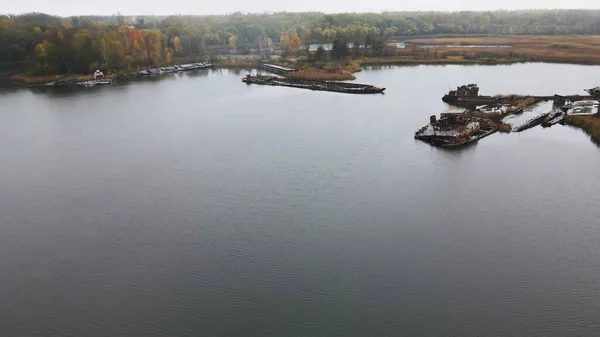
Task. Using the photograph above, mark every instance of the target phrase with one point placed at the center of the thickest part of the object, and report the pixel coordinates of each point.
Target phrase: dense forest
(51, 44)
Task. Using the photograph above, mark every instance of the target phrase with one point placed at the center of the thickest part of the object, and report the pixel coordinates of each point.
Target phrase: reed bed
(590, 124)
(557, 49)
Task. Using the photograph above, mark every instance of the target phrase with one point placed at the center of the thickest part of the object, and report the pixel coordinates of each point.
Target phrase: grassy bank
(590, 124)
(33, 79)
(410, 60)
(29, 79)
(324, 71)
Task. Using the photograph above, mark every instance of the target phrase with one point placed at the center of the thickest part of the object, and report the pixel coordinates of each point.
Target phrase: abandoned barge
(174, 69)
(453, 129)
(342, 87)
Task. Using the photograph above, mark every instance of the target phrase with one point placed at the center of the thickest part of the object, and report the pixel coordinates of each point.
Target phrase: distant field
(582, 49)
(516, 41)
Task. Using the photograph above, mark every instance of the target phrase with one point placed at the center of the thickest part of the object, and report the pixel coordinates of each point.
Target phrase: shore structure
(341, 87)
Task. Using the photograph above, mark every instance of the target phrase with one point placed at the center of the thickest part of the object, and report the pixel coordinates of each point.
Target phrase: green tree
(339, 49)
(320, 54)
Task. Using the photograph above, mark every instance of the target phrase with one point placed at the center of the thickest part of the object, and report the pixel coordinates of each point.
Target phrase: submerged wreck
(343, 87)
(454, 128)
(555, 117)
(533, 115)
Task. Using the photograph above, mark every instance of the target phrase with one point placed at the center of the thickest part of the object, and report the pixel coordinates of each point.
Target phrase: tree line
(51, 44)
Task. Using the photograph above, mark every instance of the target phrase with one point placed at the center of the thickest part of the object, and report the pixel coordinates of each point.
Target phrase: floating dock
(277, 69)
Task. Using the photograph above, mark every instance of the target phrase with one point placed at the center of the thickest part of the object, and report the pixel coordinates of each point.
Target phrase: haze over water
(198, 205)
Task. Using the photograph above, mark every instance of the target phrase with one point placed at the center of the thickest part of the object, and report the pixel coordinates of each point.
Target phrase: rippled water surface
(196, 205)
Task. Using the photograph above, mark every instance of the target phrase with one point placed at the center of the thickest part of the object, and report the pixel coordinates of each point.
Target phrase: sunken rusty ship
(454, 128)
(595, 92)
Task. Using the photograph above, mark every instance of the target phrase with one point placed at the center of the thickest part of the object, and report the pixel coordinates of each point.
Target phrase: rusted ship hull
(341, 87)
(476, 100)
(483, 132)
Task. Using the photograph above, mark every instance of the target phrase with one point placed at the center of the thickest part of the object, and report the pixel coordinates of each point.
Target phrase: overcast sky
(165, 7)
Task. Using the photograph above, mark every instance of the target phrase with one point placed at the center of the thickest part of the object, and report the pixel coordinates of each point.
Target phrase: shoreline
(37, 80)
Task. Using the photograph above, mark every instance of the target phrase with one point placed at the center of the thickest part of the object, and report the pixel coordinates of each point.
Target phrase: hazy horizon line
(300, 12)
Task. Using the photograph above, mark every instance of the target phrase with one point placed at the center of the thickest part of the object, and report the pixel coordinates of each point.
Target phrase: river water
(196, 205)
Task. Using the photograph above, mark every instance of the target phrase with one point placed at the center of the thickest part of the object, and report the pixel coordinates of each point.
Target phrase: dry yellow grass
(237, 64)
(567, 49)
(525, 102)
(587, 40)
(407, 60)
(32, 79)
(506, 128)
(591, 124)
(318, 75)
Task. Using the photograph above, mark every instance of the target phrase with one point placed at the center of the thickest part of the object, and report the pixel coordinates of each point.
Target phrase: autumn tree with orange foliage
(177, 43)
(290, 42)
